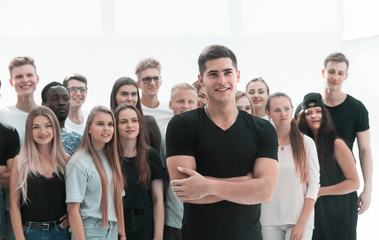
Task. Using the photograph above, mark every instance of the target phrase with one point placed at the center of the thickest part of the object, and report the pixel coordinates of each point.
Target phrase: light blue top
(71, 140)
(83, 185)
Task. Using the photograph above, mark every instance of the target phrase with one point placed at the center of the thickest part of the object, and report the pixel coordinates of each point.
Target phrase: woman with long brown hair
(338, 174)
(142, 170)
(94, 183)
(289, 214)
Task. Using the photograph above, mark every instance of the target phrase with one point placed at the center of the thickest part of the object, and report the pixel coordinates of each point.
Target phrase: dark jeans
(171, 233)
(52, 233)
(139, 224)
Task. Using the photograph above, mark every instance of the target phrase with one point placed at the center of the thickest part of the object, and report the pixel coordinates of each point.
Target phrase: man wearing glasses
(148, 72)
(77, 86)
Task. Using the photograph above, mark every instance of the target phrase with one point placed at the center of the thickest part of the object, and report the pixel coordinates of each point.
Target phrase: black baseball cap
(312, 100)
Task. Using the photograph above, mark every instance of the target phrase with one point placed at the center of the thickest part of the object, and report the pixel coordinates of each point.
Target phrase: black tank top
(46, 198)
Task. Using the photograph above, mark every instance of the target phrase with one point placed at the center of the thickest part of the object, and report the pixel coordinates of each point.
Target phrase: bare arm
(5, 175)
(15, 204)
(253, 191)
(345, 160)
(76, 221)
(158, 208)
(365, 158)
(298, 230)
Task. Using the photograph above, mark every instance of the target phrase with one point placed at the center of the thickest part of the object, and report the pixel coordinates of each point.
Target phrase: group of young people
(215, 163)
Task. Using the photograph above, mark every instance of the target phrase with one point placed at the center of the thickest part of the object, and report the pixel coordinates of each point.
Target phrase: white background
(285, 42)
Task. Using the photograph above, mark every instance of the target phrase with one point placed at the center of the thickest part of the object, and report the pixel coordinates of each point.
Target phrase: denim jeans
(93, 229)
(53, 233)
(139, 224)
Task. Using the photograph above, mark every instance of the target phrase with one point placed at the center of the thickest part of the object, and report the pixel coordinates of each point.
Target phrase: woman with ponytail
(290, 215)
(142, 170)
(94, 183)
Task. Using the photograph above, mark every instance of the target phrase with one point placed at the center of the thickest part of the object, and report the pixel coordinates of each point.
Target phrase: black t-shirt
(9, 143)
(46, 198)
(138, 197)
(350, 117)
(221, 154)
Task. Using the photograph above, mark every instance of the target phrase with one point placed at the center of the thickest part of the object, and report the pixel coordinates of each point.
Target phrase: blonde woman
(258, 91)
(290, 215)
(244, 103)
(37, 183)
(94, 182)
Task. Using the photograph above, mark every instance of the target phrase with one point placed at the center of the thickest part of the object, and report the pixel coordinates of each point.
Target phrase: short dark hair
(47, 87)
(215, 52)
(336, 57)
(74, 76)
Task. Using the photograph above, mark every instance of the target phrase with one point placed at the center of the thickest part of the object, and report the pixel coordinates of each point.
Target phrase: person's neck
(61, 123)
(76, 115)
(259, 112)
(283, 134)
(150, 101)
(129, 147)
(315, 135)
(223, 115)
(26, 103)
(333, 97)
(44, 151)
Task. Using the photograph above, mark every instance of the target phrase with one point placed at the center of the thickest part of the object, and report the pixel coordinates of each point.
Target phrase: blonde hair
(29, 158)
(112, 157)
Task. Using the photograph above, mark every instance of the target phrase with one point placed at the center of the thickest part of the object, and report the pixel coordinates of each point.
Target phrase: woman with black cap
(338, 174)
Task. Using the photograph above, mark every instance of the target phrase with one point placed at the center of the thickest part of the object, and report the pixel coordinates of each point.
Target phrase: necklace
(206, 112)
(286, 142)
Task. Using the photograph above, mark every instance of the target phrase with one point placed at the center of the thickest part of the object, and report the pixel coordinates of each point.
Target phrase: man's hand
(192, 188)
(364, 201)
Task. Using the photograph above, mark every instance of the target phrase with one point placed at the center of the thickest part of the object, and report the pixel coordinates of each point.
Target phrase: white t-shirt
(16, 118)
(77, 127)
(287, 202)
(162, 115)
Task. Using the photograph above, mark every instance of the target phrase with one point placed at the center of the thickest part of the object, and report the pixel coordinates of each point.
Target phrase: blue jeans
(53, 233)
(93, 229)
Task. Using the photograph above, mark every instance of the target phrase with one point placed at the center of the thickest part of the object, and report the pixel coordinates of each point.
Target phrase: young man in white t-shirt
(24, 79)
(148, 72)
(77, 86)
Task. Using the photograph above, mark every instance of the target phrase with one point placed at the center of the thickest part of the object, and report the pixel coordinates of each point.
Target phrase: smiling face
(280, 111)
(101, 130)
(42, 130)
(127, 94)
(149, 89)
(243, 103)
(58, 100)
(335, 73)
(183, 100)
(220, 80)
(128, 124)
(77, 97)
(24, 79)
(257, 91)
(313, 118)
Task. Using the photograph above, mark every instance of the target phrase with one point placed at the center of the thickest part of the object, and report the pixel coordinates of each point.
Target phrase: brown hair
(336, 57)
(297, 142)
(142, 148)
(111, 154)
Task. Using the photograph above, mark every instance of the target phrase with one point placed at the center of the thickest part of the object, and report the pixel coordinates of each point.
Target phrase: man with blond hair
(148, 72)
(24, 79)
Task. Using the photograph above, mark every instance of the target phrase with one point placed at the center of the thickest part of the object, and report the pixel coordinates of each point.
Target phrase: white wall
(285, 42)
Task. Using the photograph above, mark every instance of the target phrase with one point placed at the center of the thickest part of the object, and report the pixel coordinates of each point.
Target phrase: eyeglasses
(147, 80)
(81, 89)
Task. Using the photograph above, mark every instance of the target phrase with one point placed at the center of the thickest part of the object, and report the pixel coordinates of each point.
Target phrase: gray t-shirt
(83, 185)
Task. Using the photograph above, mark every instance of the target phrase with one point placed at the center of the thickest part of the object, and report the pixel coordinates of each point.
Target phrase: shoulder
(258, 124)
(353, 102)
(187, 118)
(72, 133)
(7, 129)
(80, 158)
